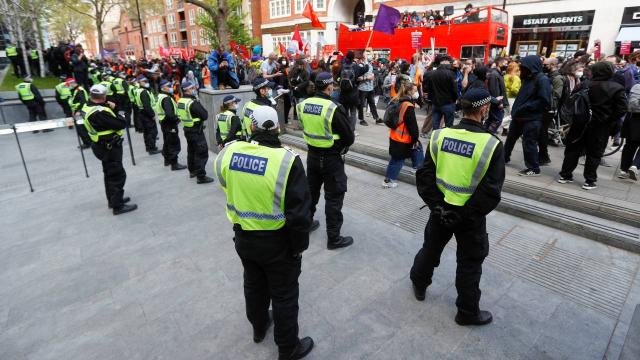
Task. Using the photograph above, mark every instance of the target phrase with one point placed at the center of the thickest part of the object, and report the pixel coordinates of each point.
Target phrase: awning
(629, 34)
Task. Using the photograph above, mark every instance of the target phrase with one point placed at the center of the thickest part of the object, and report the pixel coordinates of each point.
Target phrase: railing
(183, 25)
(171, 26)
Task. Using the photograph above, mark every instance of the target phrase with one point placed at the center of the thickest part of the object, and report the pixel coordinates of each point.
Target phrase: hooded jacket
(608, 98)
(534, 98)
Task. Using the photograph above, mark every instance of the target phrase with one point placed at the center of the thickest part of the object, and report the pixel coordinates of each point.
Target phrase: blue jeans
(395, 165)
(446, 111)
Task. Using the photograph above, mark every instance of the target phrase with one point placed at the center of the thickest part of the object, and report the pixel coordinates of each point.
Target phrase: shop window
(566, 48)
(525, 48)
(473, 51)
(381, 54)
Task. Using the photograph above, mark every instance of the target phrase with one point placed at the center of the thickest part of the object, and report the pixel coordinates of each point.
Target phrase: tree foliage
(223, 21)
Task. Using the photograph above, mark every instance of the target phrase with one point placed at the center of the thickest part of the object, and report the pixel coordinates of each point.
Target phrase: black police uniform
(236, 126)
(35, 105)
(271, 269)
(326, 166)
(109, 150)
(197, 148)
(146, 116)
(122, 100)
(470, 232)
(169, 127)
(80, 97)
(64, 104)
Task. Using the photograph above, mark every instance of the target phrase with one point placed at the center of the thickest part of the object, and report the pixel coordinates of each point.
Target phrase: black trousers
(473, 248)
(137, 122)
(367, 97)
(17, 69)
(543, 138)
(114, 174)
(171, 142)
(150, 130)
(592, 144)
(530, 131)
(82, 133)
(628, 154)
(65, 108)
(271, 276)
(328, 170)
(197, 151)
(36, 111)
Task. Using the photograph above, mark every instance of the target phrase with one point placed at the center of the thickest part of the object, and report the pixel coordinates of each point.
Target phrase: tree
(219, 15)
(96, 10)
(67, 28)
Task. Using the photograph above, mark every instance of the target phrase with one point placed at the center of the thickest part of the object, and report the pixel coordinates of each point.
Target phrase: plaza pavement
(164, 282)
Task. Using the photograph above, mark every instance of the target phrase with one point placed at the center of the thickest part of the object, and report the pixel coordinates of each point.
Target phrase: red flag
(296, 37)
(307, 50)
(239, 49)
(282, 49)
(311, 15)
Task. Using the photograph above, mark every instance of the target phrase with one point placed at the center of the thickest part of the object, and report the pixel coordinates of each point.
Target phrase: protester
(631, 134)
(221, 67)
(442, 90)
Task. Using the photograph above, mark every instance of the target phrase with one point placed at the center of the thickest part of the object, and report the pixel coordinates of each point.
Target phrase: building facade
(535, 26)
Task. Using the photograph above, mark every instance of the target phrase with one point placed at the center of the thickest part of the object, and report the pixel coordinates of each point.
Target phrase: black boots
(340, 242)
(125, 200)
(482, 318)
(154, 151)
(419, 291)
(124, 209)
(301, 350)
(204, 179)
(177, 166)
(258, 335)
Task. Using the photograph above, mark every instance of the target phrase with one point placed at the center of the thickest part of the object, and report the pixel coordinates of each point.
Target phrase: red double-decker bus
(481, 34)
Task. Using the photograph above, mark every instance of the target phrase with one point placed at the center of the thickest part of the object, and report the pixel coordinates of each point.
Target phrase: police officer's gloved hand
(450, 219)
(437, 212)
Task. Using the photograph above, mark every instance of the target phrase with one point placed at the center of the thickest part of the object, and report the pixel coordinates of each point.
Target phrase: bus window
(499, 16)
(472, 51)
(382, 54)
(495, 52)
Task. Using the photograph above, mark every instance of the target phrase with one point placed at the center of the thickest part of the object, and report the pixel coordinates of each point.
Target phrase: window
(319, 5)
(566, 48)
(284, 39)
(192, 17)
(174, 39)
(300, 6)
(169, 4)
(203, 40)
(194, 39)
(279, 8)
(467, 52)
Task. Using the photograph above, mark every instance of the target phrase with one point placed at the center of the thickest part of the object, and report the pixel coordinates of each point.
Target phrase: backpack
(576, 110)
(347, 78)
(392, 114)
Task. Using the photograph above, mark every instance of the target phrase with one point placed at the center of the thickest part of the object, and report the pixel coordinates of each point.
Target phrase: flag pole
(369, 41)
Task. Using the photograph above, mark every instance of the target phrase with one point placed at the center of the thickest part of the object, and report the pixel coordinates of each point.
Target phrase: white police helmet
(265, 118)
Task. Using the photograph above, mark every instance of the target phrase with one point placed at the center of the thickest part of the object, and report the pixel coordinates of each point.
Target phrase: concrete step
(631, 347)
(607, 231)
(612, 209)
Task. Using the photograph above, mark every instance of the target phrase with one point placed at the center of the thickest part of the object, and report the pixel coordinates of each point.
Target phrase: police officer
(12, 54)
(166, 111)
(193, 115)
(107, 82)
(133, 109)
(34, 61)
(262, 87)
(461, 182)
(120, 92)
(31, 98)
(94, 74)
(269, 205)
(145, 102)
(63, 93)
(229, 125)
(105, 130)
(79, 97)
(328, 136)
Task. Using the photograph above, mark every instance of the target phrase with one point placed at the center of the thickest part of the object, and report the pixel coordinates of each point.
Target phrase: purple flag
(387, 20)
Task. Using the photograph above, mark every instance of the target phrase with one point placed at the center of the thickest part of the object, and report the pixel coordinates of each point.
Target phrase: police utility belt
(111, 140)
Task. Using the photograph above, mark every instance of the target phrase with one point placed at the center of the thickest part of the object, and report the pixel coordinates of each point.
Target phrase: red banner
(625, 48)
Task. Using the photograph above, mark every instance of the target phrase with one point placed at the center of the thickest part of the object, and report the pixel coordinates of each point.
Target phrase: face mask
(546, 70)
(145, 85)
(170, 91)
(579, 74)
(284, 63)
(415, 95)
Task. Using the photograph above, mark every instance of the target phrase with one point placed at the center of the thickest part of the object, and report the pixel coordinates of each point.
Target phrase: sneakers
(389, 184)
(589, 185)
(364, 123)
(379, 122)
(529, 173)
(564, 180)
(355, 133)
(623, 175)
(633, 173)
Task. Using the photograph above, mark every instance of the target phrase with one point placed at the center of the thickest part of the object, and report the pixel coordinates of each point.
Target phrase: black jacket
(297, 209)
(487, 194)
(534, 97)
(79, 97)
(351, 98)
(236, 126)
(340, 126)
(608, 98)
(147, 109)
(400, 150)
(441, 86)
(37, 97)
(170, 116)
(197, 111)
(495, 85)
(102, 120)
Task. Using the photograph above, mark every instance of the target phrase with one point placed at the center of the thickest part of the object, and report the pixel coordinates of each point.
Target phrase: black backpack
(347, 78)
(392, 114)
(576, 111)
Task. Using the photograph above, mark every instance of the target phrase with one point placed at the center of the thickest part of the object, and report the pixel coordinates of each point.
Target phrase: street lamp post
(144, 51)
(504, 4)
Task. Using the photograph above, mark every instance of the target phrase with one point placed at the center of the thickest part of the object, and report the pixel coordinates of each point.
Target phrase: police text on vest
(248, 163)
(458, 147)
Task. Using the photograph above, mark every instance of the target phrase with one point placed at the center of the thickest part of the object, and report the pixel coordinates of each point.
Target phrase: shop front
(542, 34)
(628, 39)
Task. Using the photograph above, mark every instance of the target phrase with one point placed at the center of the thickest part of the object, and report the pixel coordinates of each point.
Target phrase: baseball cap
(229, 99)
(475, 98)
(98, 90)
(164, 83)
(265, 118)
(68, 81)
